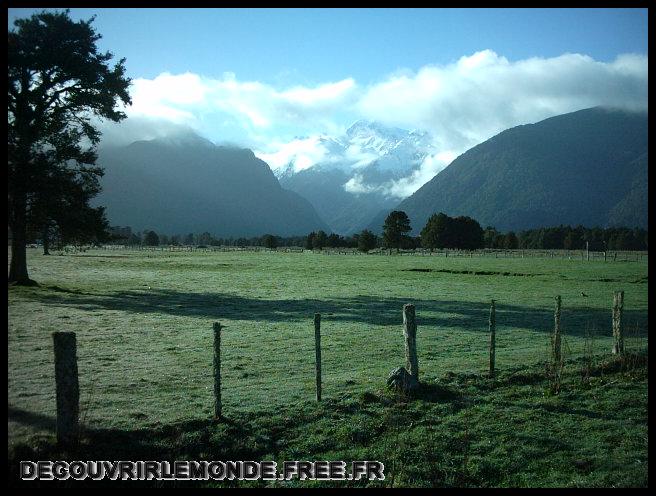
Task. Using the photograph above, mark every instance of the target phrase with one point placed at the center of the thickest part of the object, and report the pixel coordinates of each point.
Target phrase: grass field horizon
(143, 322)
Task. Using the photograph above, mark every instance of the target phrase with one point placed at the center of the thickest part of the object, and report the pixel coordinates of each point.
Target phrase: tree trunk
(18, 264)
(46, 240)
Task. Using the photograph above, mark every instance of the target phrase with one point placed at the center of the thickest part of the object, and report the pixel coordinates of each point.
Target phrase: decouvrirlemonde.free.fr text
(202, 470)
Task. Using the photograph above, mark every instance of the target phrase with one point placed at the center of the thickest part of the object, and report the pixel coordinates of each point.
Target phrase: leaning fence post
(556, 337)
(493, 329)
(317, 352)
(410, 335)
(217, 369)
(618, 329)
(67, 387)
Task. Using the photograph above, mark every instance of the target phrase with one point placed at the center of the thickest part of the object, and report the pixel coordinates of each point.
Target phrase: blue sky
(276, 80)
(308, 46)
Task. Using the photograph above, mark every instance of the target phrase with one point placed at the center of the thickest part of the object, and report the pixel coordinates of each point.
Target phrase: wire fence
(605, 256)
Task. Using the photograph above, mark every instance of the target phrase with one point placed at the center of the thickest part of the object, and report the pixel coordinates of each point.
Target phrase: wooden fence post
(217, 370)
(67, 387)
(557, 356)
(493, 329)
(618, 328)
(317, 353)
(410, 335)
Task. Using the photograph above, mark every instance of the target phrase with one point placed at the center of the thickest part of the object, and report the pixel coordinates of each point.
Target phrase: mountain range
(189, 185)
(587, 167)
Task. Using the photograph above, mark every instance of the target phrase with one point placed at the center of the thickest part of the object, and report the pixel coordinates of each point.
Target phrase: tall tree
(397, 224)
(151, 239)
(269, 241)
(442, 231)
(467, 233)
(309, 240)
(320, 240)
(61, 209)
(435, 232)
(334, 240)
(58, 82)
(366, 241)
(510, 241)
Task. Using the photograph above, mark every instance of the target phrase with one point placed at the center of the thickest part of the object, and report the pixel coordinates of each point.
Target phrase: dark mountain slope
(587, 167)
(191, 185)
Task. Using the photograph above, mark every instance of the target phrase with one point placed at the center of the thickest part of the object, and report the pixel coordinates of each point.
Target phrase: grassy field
(144, 329)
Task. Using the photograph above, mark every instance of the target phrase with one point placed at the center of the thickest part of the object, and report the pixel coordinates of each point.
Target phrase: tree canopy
(366, 241)
(442, 231)
(269, 241)
(433, 235)
(58, 83)
(397, 224)
(320, 240)
(151, 238)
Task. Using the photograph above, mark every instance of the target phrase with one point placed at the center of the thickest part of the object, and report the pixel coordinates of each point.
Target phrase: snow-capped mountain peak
(365, 145)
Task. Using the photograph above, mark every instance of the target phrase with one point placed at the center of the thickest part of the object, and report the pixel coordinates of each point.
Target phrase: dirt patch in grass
(473, 272)
(100, 256)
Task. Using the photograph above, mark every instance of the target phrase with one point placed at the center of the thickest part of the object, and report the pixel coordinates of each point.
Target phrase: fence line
(606, 256)
(66, 372)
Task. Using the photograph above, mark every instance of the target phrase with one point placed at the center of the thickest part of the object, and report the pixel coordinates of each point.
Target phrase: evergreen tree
(397, 224)
(334, 240)
(510, 241)
(366, 241)
(57, 82)
(319, 240)
(309, 241)
(269, 241)
(151, 239)
(434, 234)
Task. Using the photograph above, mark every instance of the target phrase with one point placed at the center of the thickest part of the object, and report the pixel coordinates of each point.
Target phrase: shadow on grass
(364, 309)
(226, 439)
(369, 421)
(30, 418)
(433, 392)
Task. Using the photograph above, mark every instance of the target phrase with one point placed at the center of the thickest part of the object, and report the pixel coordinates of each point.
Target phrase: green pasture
(144, 330)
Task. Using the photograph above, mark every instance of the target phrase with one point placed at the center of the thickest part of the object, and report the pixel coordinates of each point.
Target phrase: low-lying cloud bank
(461, 104)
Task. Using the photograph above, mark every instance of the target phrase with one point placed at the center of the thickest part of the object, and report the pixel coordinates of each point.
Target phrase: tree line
(440, 232)
(570, 238)
(315, 240)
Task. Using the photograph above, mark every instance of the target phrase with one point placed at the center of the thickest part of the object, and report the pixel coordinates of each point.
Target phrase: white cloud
(431, 165)
(358, 157)
(168, 97)
(184, 97)
(467, 102)
(356, 185)
(461, 104)
(404, 187)
(138, 128)
(303, 153)
(480, 95)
